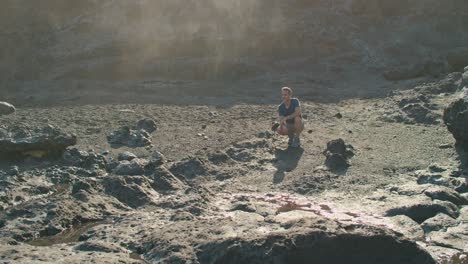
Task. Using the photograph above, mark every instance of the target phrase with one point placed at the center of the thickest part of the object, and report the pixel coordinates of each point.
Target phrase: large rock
(456, 118)
(6, 108)
(337, 154)
(35, 142)
(129, 137)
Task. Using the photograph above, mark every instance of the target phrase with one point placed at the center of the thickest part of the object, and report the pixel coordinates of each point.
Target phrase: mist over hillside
(328, 49)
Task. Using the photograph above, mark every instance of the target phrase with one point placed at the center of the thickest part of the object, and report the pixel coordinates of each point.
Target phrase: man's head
(286, 93)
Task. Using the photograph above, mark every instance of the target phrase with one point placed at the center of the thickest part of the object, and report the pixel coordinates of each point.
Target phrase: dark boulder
(456, 119)
(337, 154)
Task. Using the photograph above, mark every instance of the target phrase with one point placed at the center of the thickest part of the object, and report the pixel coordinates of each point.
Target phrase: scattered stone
(438, 222)
(182, 216)
(243, 206)
(456, 118)
(36, 142)
(81, 185)
(133, 167)
(147, 124)
(157, 158)
(445, 146)
(129, 137)
(6, 108)
(79, 158)
(126, 156)
(51, 230)
(337, 154)
(338, 115)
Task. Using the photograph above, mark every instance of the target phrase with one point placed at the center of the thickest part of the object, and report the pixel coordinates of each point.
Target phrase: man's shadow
(286, 161)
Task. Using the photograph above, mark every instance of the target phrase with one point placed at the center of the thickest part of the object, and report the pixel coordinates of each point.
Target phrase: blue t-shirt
(283, 111)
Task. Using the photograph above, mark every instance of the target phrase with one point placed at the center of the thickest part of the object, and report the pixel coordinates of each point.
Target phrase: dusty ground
(240, 188)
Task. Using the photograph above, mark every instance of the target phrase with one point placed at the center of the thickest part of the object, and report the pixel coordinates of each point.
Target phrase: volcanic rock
(456, 118)
(190, 168)
(132, 167)
(126, 156)
(129, 137)
(20, 141)
(337, 154)
(6, 108)
(446, 194)
(464, 82)
(147, 124)
(449, 84)
(84, 159)
(165, 181)
(438, 222)
(134, 191)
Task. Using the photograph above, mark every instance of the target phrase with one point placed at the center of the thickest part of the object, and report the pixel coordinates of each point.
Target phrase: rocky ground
(146, 183)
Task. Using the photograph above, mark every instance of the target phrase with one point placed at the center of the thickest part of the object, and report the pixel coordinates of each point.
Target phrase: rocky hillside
(328, 49)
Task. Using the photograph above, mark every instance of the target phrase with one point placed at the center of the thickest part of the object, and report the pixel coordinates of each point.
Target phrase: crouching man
(290, 117)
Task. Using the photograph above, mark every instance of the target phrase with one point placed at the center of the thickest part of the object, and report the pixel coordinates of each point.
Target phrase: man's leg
(298, 127)
(287, 129)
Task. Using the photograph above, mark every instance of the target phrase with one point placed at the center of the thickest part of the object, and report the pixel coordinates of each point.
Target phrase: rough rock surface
(337, 154)
(238, 193)
(456, 118)
(21, 141)
(129, 137)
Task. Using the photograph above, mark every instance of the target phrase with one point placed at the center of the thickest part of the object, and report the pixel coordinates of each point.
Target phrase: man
(290, 117)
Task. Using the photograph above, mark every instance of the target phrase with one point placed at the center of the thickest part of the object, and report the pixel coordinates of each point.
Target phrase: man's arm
(297, 112)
